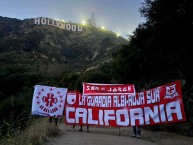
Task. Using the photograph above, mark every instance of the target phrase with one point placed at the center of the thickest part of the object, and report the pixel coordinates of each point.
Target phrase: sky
(119, 16)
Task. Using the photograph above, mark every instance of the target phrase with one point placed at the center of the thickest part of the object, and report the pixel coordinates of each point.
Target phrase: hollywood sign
(59, 24)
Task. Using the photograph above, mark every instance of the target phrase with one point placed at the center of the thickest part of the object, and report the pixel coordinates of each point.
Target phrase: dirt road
(110, 136)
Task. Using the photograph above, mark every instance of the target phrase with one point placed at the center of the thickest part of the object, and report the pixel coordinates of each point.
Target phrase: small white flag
(48, 101)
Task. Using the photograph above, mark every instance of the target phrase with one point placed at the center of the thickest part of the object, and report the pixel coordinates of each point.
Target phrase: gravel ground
(114, 136)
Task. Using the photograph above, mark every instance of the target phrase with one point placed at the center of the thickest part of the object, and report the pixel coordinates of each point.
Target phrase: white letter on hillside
(68, 26)
(43, 21)
(37, 21)
(73, 28)
(79, 28)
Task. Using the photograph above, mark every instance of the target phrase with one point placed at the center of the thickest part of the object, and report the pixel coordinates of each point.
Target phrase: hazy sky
(120, 16)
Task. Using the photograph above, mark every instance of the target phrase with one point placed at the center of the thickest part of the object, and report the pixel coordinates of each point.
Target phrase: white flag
(48, 101)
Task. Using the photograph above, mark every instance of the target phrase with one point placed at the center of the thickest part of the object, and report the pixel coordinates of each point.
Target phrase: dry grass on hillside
(36, 134)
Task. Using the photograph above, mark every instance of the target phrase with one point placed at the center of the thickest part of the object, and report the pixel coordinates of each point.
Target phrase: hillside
(38, 53)
(50, 50)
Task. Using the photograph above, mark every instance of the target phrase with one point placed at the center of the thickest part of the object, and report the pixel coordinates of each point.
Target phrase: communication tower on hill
(93, 18)
(92, 21)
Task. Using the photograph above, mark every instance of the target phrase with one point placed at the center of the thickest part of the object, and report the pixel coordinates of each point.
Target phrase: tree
(160, 48)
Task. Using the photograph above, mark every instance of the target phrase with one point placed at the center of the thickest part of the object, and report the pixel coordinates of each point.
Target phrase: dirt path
(110, 136)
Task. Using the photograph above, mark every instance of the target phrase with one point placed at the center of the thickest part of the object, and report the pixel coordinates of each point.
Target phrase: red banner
(155, 106)
(103, 89)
